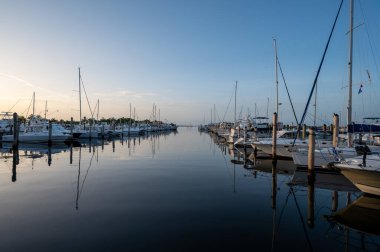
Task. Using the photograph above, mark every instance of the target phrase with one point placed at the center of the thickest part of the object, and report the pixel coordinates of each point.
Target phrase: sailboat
(325, 156)
(39, 131)
(364, 170)
(89, 132)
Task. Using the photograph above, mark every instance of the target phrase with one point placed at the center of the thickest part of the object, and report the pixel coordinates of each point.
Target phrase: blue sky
(184, 56)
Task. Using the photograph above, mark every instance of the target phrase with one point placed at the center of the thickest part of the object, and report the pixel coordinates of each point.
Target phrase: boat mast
(45, 108)
(349, 107)
(130, 116)
(80, 100)
(235, 102)
(97, 114)
(315, 105)
(276, 73)
(214, 115)
(34, 101)
(211, 115)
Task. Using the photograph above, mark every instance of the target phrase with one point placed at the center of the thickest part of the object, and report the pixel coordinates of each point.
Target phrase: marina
(180, 190)
(102, 146)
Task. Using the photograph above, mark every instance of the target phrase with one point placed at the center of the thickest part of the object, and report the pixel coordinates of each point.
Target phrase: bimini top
(263, 117)
(371, 118)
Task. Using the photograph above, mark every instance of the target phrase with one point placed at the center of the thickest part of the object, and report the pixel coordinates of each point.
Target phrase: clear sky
(184, 56)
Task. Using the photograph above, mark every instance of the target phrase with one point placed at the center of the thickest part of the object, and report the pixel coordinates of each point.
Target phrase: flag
(360, 89)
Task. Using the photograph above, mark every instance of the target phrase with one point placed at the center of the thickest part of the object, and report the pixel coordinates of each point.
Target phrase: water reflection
(15, 162)
(29, 151)
(35, 151)
(185, 192)
(306, 188)
(357, 224)
(362, 215)
(80, 184)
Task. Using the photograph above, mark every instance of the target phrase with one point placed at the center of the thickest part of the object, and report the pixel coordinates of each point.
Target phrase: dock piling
(50, 133)
(335, 130)
(311, 153)
(71, 128)
(303, 131)
(15, 131)
(274, 136)
(311, 178)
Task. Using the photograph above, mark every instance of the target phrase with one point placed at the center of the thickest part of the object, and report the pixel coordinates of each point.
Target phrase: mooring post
(274, 136)
(298, 127)
(50, 132)
(18, 132)
(335, 130)
(311, 153)
(15, 131)
(324, 128)
(303, 131)
(311, 178)
(71, 128)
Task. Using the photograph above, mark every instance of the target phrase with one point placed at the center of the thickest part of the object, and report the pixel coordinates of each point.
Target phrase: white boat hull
(366, 178)
(36, 138)
(322, 157)
(282, 150)
(366, 181)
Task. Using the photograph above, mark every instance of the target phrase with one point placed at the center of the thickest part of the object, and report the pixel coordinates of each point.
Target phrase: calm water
(180, 191)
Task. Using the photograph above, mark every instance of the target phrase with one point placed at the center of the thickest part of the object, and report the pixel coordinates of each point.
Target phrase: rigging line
(301, 217)
(14, 105)
(319, 70)
(88, 102)
(286, 86)
(30, 104)
(96, 108)
(369, 40)
(282, 211)
(228, 105)
(241, 112)
(85, 176)
(218, 116)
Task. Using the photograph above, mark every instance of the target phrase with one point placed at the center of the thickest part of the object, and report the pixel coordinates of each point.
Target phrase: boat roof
(260, 117)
